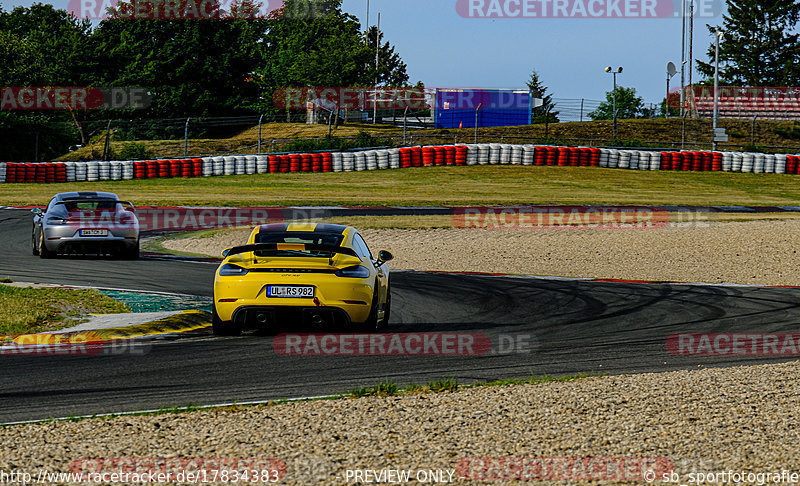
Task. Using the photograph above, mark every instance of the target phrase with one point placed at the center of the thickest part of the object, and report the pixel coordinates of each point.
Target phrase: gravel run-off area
(740, 419)
(751, 252)
(711, 420)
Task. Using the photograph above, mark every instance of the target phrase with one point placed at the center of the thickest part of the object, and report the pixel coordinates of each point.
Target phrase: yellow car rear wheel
(221, 328)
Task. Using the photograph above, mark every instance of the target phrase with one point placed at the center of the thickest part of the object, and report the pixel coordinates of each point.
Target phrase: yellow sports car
(301, 274)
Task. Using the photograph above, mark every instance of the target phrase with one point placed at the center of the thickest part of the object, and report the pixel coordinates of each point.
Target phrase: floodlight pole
(186, 137)
(718, 35)
(666, 100)
(259, 132)
(683, 52)
(405, 114)
(614, 96)
(377, 49)
(476, 121)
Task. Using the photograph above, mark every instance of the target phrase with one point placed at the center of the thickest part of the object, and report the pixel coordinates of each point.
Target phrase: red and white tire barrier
(396, 158)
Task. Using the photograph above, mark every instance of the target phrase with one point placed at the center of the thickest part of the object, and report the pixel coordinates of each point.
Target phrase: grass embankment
(243, 143)
(447, 186)
(651, 133)
(28, 310)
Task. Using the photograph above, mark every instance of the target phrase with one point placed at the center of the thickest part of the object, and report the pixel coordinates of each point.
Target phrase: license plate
(295, 291)
(94, 232)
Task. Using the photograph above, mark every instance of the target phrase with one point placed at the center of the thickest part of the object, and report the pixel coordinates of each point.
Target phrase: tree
(391, 69)
(41, 46)
(759, 47)
(327, 49)
(191, 67)
(544, 113)
(628, 105)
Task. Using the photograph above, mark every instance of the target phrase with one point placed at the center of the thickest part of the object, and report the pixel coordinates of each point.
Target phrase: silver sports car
(86, 223)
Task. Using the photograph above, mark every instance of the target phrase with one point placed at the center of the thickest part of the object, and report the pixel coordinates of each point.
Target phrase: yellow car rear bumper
(352, 295)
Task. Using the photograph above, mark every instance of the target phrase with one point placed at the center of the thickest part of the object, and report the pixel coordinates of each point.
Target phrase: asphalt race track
(563, 327)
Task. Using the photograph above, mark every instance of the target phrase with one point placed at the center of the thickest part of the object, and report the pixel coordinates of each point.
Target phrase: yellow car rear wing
(289, 247)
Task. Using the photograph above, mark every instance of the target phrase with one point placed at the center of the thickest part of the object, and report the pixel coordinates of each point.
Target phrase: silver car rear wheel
(43, 251)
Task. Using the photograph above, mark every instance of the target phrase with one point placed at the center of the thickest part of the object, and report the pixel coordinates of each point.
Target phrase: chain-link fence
(125, 139)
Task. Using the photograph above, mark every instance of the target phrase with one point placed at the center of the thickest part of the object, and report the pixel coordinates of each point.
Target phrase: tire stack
(115, 170)
(370, 160)
(460, 154)
(316, 162)
(748, 162)
(239, 165)
(69, 171)
(250, 164)
(394, 159)
(382, 158)
(495, 153)
(174, 168)
(337, 162)
(219, 166)
(449, 155)
(208, 167)
(327, 162)
(49, 173)
(516, 154)
(292, 163)
(792, 163)
(348, 161)
(416, 156)
(163, 168)
(758, 163)
(92, 171)
(80, 171)
(405, 158)
(780, 163)
(127, 170)
(769, 163)
(428, 156)
(304, 164)
(736, 162)
(11, 172)
(483, 154)
(472, 154)
(186, 168)
(359, 161)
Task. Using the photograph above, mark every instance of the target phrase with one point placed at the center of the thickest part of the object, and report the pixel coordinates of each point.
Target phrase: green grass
(27, 310)
(631, 133)
(535, 380)
(443, 385)
(448, 186)
(382, 389)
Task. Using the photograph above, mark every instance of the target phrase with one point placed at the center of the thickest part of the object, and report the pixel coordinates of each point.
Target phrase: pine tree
(758, 47)
(544, 113)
